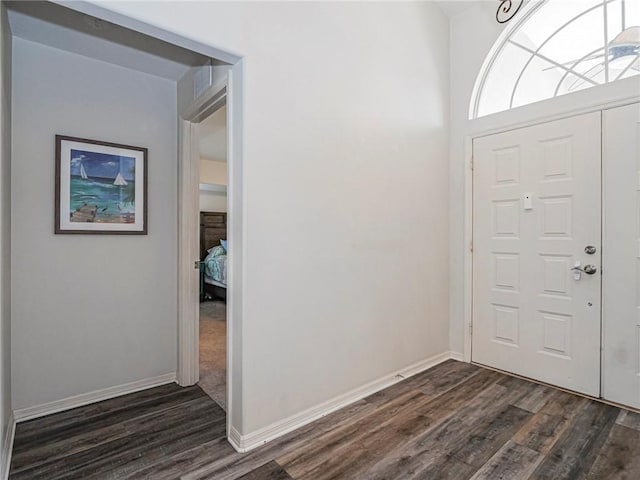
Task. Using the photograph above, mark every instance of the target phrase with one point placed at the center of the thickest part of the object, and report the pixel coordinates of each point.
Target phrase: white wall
(213, 136)
(345, 177)
(215, 172)
(213, 201)
(89, 311)
(5, 235)
(472, 34)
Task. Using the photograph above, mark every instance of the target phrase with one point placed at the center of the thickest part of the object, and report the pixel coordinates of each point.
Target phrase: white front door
(537, 207)
(621, 289)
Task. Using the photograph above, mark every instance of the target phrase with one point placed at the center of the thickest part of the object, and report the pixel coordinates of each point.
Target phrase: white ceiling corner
(454, 7)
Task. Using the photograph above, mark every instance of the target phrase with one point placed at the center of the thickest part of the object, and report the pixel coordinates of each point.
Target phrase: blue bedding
(215, 265)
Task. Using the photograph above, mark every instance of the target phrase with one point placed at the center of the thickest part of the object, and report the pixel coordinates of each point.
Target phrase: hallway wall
(89, 311)
(5, 237)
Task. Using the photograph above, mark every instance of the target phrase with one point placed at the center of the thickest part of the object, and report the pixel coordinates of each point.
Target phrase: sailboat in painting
(120, 181)
(102, 189)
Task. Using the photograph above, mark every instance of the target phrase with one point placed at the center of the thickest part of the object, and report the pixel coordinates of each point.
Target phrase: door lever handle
(588, 269)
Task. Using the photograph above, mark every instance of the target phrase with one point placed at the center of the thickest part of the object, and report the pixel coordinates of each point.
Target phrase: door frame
(225, 92)
(522, 117)
(213, 98)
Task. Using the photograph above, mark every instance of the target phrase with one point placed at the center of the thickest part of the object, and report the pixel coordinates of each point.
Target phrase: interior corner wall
(472, 34)
(5, 235)
(345, 190)
(89, 312)
(213, 201)
(213, 172)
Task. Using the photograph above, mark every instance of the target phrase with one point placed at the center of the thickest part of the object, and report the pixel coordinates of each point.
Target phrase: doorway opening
(212, 149)
(210, 124)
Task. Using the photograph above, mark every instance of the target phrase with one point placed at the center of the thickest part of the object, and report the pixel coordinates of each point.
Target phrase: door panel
(537, 205)
(621, 289)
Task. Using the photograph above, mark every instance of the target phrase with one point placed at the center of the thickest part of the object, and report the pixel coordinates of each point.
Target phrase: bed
(213, 257)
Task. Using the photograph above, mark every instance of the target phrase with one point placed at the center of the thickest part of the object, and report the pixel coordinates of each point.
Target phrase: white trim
(629, 85)
(526, 12)
(189, 187)
(235, 239)
(603, 251)
(244, 443)
(468, 249)
(213, 187)
(235, 439)
(7, 448)
(91, 7)
(210, 100)
(602, 97)
(29, 413)
(459, 356)
(188, 254)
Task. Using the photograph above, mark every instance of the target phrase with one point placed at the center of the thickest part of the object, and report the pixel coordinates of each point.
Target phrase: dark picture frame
(100, 187)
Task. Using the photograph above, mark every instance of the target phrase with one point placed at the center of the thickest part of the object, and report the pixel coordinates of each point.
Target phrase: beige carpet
(213, 350)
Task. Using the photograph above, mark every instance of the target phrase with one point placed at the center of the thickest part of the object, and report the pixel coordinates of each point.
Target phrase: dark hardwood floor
(455, 421)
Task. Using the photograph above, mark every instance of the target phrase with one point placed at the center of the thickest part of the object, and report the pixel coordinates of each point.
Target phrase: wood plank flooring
(456, 421)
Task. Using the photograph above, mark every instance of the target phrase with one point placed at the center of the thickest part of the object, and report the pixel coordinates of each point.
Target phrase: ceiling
(454, 7)
(213, 136)
(65, 29)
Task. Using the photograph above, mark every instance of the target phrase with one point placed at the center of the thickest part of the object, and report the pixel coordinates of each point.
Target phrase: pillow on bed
(216, 251)
(224, 244)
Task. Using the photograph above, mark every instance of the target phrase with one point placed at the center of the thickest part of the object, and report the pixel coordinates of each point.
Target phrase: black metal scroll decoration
(507, 10)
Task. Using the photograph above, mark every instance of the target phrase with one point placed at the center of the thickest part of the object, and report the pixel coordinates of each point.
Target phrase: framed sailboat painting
(101, 187)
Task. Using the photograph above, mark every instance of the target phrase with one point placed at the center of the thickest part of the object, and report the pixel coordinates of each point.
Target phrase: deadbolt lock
(590, 250)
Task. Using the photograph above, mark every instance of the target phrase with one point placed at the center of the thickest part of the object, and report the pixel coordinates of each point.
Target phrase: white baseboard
(7, 448)
(235, 439)
(457, 356)
(29, 413)
(244, 443)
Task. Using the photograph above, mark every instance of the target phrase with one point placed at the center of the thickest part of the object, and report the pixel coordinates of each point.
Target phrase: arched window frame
(527, 11)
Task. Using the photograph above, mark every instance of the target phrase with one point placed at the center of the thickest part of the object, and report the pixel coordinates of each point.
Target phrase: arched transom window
(558, 47)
